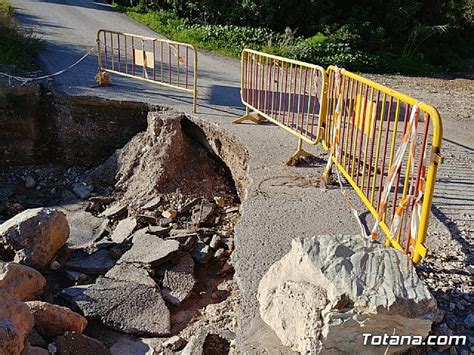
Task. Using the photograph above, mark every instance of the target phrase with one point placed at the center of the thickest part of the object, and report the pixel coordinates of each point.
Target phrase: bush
(17, 49)
(389, 36)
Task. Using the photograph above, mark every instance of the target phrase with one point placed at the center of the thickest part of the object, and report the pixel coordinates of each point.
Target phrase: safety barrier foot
(254, 117)
(299, 156)
(103, 78)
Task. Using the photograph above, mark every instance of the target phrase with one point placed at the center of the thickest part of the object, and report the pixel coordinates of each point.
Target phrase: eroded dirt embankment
(151, 226)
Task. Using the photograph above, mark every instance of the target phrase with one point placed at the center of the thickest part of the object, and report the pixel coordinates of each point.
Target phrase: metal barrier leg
(299, 155)
(254, 117)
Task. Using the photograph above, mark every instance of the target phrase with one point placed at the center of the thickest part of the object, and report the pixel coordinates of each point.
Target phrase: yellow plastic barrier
(386, 144)
(388, 149)
(167, 63)
(284, 91)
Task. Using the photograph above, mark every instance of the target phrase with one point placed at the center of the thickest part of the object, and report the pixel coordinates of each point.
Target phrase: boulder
(16, 322)
(147, 249)
(330, 290)
(35, 235)
(125, 306)
(73, 343)
(178, 280)
(20, 281)
(53, 320)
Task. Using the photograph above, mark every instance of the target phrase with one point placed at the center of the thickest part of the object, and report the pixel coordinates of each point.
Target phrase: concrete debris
(148, 249)
(158, 230)
(125, 306)
(74, 343)
(84, 229)
(203, 213)
(187, 206)
(179, 280)
(114, 211)
(123, 229)
(131, 273)
(309, 297)
(35, 235)
(152, 204)
(97, 263)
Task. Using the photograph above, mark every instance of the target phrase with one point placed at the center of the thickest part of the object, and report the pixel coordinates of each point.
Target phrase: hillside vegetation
(406, 36)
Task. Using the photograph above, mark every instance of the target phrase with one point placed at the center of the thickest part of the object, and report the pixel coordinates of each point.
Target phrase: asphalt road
(70, 27)
(269, 221)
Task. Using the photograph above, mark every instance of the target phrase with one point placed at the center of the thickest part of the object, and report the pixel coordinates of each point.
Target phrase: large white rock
(330, 290)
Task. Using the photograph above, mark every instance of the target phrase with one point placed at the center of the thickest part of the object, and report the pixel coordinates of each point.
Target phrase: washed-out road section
(281, 202)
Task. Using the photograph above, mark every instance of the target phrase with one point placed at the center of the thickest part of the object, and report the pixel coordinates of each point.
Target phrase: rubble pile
(138, 248)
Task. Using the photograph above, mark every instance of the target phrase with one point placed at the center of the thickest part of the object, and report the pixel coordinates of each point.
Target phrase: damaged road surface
(137, 248)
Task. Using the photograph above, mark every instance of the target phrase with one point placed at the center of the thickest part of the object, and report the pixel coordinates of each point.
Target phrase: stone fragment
(174, 343)
(202, 252)
(178, 280)
(158, 230)
(20, 281)
(124, 229)
(132, 273)
(55, 265)
(196, 343)
(35, 235)
(220, 201)
(73, 343)
(203, 213)
(187, 206)
(124, 306)
(30, 182)
(75, 276)
(84, 229)
(35, 339)
(97, 263)
(470, 269)
(152, 204)
(145, 346)
(114, 211)
(171, 214)
(82, 190)
(16, 322)
(52, 320)
(329, 290)
(34, 350)
(469, 321)
(147, 249)
(215, 241)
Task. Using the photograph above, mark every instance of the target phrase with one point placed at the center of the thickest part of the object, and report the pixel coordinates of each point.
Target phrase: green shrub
(17, 49)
